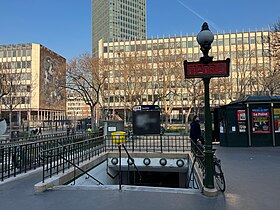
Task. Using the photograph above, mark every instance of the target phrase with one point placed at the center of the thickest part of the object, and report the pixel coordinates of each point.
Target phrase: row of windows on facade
(15, 65)
(75, 103)
(135, 15)
(221, 96)
(131, 23)
(133, 3)
(70, 113)
(129, 9)
(150, 99)
(15, 46)
(19, 88)
(156, 86)
(127, 31)
(15, 53)
(178, 45)
(15, 100)
(18, 76)
(138, 20)
(127, 25)
(195, 56)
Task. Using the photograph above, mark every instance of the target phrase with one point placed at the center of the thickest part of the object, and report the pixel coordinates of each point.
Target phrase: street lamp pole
(205, 39)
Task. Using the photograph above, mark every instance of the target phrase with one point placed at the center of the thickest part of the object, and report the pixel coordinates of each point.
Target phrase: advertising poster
(242, 127)
(241, 115)
(277, 120)
(241, 118)
(260, 120)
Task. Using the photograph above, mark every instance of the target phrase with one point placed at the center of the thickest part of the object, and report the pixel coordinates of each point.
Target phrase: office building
(117, 19)
(36, 76)
(150, 71)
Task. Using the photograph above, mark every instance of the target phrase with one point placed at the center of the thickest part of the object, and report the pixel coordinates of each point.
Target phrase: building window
(23, 64)
(18, 65)
(226, 41)
(28, 52)
(28, 64)
(18, 53)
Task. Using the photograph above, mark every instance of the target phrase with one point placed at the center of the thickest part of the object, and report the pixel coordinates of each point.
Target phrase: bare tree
(14, 90)
(193, 91)
(86, 76)
(132, 75)
(271, 84)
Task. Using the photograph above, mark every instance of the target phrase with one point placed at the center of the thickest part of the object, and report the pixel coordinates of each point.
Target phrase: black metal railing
(54, 159)
(197, 150)
(76, 153)
(36, 138)
(150, 143)
(24, 156)
(130, 161)
(20, 158)
(83, 171)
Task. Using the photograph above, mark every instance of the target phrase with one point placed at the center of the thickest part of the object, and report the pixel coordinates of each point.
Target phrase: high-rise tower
(117, 19)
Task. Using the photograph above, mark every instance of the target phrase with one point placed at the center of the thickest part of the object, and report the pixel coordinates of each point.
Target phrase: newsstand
(250, 121)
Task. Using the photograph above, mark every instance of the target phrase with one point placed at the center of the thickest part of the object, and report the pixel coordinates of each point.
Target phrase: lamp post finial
(204, 26)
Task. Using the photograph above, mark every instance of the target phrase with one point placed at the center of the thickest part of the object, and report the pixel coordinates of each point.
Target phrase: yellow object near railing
(118, 137)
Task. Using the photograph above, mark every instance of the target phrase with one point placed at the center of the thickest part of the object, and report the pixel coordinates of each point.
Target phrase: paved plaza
(252, 178)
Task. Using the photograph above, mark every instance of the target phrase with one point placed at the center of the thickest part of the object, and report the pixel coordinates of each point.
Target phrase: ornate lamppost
(206, 68)
(205, 38)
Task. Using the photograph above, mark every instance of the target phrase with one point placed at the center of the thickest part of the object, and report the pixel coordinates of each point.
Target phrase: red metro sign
(202, 70)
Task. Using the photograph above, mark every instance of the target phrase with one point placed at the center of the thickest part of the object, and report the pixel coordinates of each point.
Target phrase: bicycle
(219, 175)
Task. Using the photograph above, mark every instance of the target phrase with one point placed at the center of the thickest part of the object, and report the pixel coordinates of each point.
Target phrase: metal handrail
(80, 151)
(19, 158)
(120, 165)
(130, 158)
(75, 166)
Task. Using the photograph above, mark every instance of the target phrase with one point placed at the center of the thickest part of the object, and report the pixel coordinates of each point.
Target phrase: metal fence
(62, 157)
(59, 158)
(61, 152)
(24, 156)
(25, 140)
(151, 143)
(199, 156)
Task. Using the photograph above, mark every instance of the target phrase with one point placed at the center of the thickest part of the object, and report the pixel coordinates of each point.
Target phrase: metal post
(120, 168)
(209, 167)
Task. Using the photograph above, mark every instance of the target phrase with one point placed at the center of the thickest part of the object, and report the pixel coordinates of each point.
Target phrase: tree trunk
(166, 120)
(124, 116)
(10, 119)
(186, 120)
(92, 121)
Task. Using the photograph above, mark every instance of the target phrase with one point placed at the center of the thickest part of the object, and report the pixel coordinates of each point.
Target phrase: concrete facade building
(160, 68)
(117, 19)
(77, 108)
(34, 74)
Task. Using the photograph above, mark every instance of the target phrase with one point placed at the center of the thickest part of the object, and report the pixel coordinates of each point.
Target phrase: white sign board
(112, 129)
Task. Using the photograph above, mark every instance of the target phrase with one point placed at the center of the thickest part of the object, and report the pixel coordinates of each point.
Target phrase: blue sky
(64, 26)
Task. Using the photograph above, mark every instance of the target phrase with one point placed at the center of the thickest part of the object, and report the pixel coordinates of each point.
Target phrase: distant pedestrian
(89, 130)
(195, 131)
(68, 131)
(40, 131)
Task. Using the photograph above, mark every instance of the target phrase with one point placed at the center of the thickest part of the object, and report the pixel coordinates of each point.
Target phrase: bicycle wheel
(219, 177)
